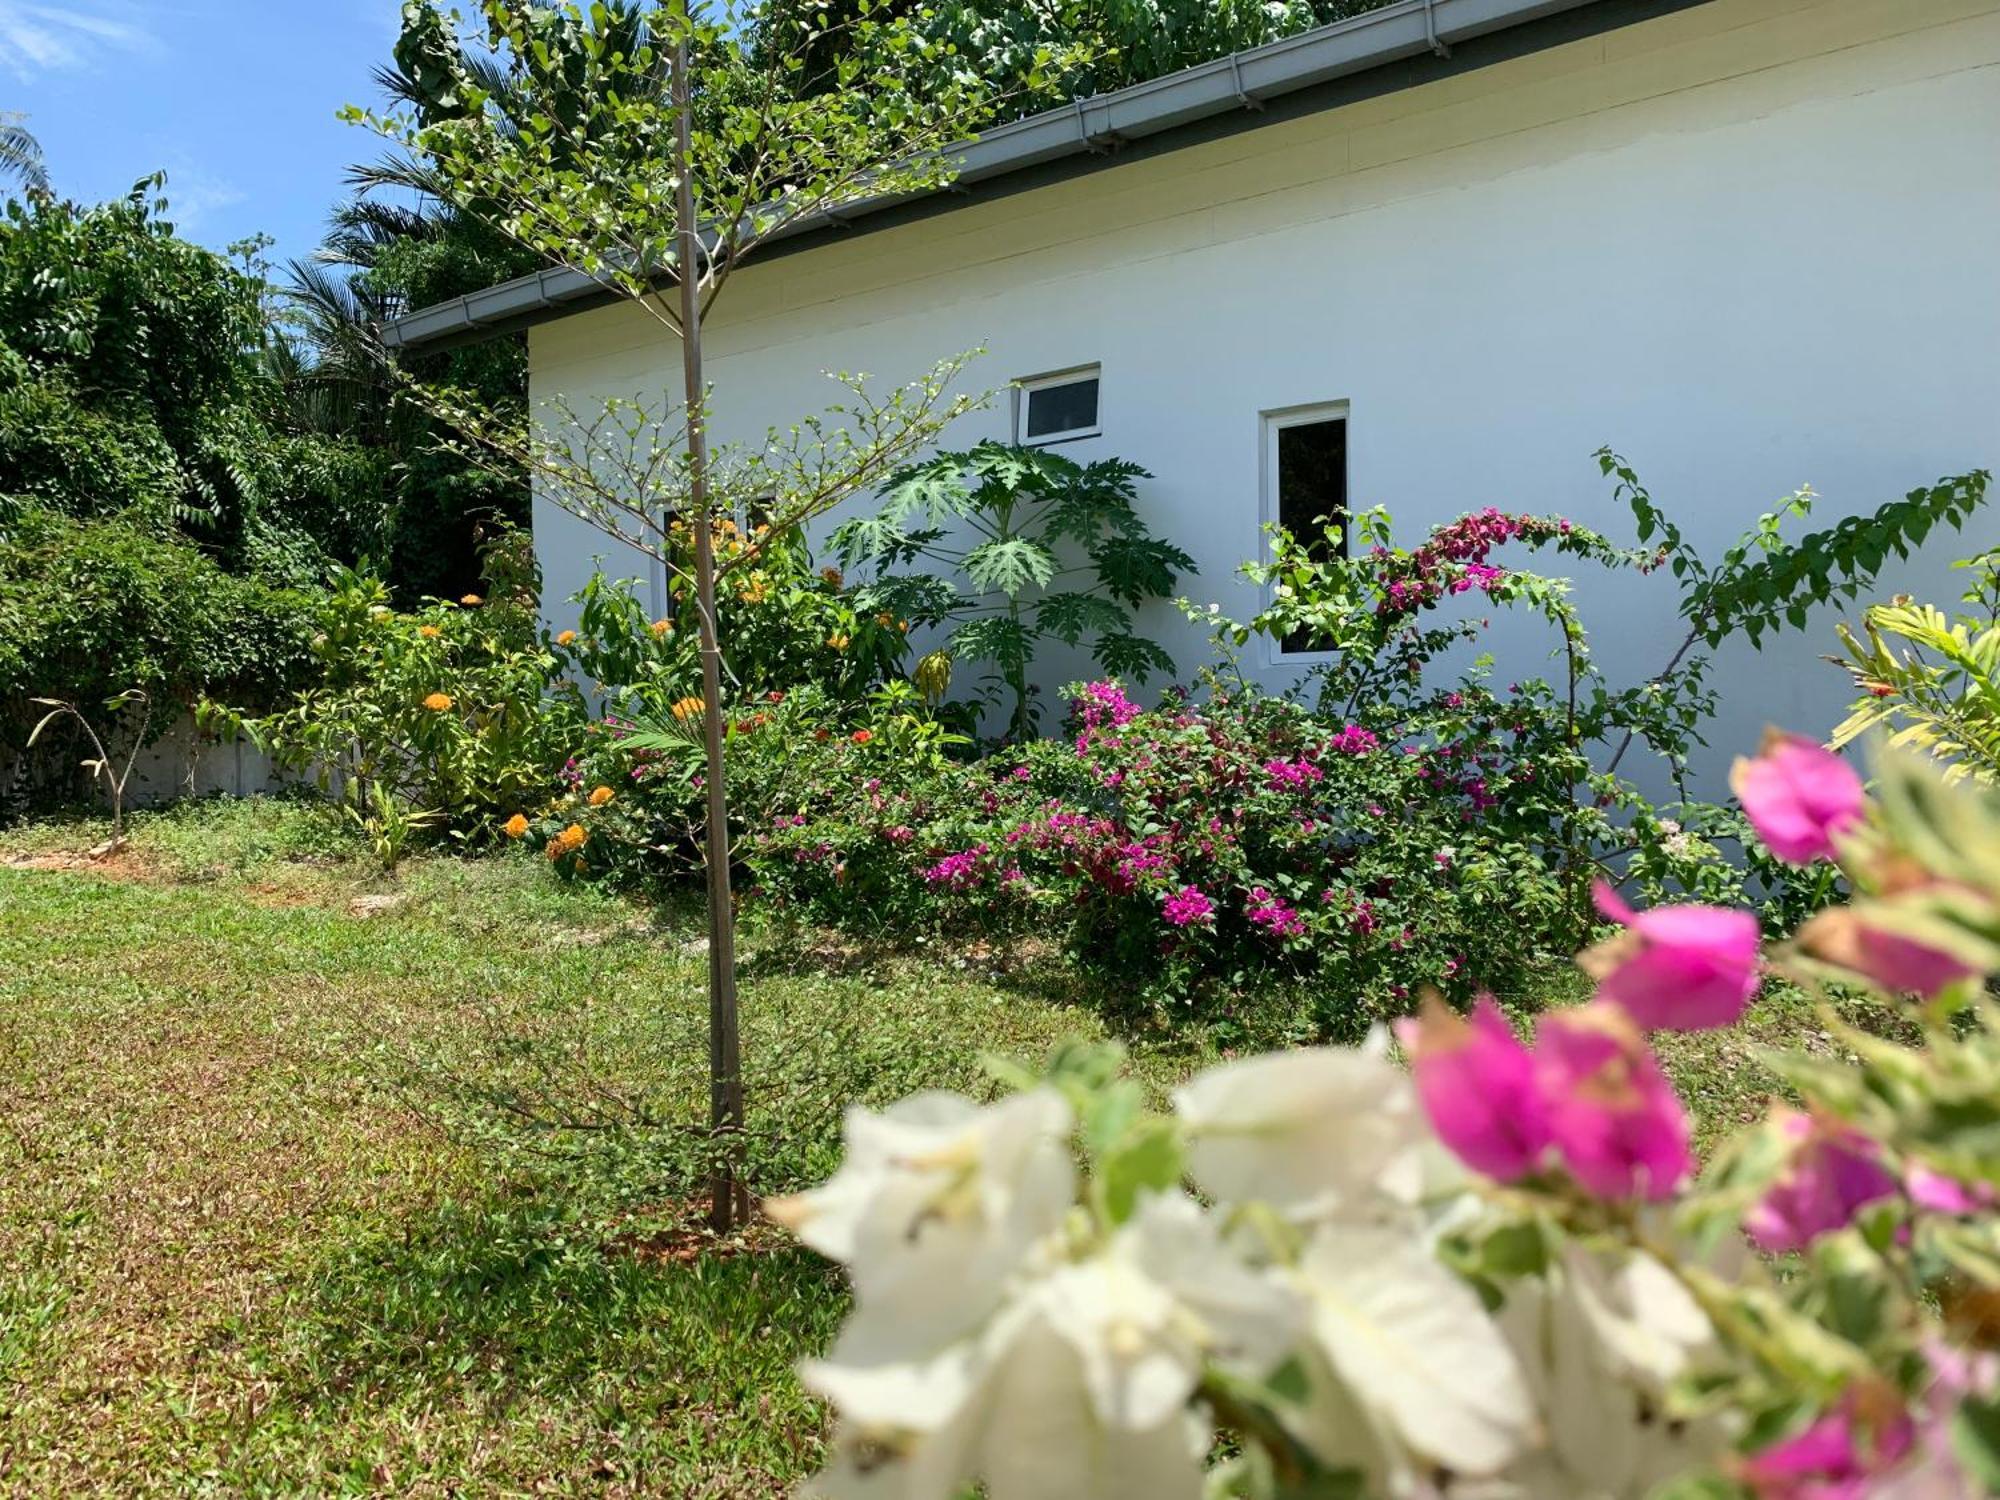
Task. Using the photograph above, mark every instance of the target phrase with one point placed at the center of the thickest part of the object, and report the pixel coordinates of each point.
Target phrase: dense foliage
(131, 385)
(440, 719)
(92, 608)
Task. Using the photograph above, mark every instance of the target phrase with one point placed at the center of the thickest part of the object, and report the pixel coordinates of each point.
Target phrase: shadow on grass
(508, 1302)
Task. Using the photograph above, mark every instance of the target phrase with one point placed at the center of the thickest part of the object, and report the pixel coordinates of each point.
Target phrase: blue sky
(235, 99)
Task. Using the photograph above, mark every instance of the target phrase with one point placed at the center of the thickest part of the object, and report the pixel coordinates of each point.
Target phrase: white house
(1752, 244)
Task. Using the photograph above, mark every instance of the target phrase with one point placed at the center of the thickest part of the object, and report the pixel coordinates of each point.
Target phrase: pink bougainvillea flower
(1845, 937)
(1834, 1172)
(1840, 1455)
(1190, 907)
(1477, 1084)
(1800, 797)
(1931, 1189)
(1676, 968)
(1612, 1114)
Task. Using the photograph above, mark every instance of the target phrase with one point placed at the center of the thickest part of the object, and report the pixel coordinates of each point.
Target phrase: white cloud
(194, 195)
(45, 36)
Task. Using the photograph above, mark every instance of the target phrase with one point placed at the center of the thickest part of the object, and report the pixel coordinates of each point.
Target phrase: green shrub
(442, 716)
(90, 608)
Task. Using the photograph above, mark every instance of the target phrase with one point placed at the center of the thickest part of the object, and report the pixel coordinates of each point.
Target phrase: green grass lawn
(316, 1180)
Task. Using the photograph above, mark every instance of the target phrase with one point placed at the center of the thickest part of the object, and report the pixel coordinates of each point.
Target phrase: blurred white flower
(1425, 1378)
(1309, 1131)
(1599, 1338)
(936, 1203)
(1079, 1386)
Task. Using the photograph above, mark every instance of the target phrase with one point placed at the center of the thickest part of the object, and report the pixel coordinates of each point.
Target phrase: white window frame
(1027, 385)
(1274, 422)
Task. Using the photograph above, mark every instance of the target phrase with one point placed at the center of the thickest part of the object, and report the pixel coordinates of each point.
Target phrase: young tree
(656, 158)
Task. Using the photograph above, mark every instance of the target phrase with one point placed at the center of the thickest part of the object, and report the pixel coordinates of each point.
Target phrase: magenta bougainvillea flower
(1676, 968)
(1613, 1116)
(1799, 796)
(1839, 1456)
(1834, 1172)
(1846, 937)
(1189, 907)
(1931, 1189)
(1274, 914)
(1477, 1084)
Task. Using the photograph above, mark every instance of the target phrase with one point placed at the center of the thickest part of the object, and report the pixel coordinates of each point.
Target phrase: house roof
(1399, 46)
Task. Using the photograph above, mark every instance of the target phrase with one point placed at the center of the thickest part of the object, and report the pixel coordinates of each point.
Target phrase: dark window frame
(1273, 501)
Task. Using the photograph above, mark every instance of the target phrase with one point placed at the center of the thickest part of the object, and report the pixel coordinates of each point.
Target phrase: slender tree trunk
(728, 1199)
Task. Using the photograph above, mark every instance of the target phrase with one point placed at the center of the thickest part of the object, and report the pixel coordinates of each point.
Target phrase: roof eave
(1240, 81)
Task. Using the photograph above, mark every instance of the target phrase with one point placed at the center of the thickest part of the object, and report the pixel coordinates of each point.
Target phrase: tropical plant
(1941, 690)
(99, 765)
(444, 715)
(691, 158)
(1049, 549)
(21, 156)
(1496, 1274)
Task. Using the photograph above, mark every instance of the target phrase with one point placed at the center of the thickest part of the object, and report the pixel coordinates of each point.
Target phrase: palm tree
(21, 155)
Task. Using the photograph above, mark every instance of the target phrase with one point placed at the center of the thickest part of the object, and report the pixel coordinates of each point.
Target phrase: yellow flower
(663, 627)
(753, 590)
(437, 703)
(429, 632)
(601, 795)
(471, 599)
(687, 708)
(838, 641)
(515, 826)
(567, 637)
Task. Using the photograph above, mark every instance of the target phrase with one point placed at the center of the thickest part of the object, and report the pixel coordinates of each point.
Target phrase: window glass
(1311, 499)
(1057, 409)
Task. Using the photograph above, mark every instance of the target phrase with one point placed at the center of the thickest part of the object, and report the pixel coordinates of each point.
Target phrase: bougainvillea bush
(1497, 1274)
(1190, 850)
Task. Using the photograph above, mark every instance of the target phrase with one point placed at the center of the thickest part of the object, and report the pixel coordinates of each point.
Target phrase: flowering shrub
(442, 715)
(1495, 1275)
(785, 625)
(636, 786)
(1198, 849)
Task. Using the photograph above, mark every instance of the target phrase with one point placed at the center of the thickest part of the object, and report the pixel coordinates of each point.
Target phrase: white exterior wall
(1751, 245)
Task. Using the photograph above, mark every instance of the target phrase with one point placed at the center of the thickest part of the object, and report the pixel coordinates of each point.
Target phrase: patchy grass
(315, 1179)
(285, 1203)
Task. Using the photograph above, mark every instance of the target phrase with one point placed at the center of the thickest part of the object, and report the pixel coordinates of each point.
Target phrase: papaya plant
(1047, 549)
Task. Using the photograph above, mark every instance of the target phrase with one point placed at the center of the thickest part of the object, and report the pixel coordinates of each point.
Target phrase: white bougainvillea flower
(1598, 1338)
(1079, 1386)
(1305, 1131)
(936, 1203)
(1419, 1359)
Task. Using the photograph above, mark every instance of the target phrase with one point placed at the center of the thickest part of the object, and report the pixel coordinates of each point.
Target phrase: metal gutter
(1242, 81)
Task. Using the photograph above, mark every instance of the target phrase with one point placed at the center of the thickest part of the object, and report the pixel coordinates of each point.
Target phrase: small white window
(1305, 487)
(1056, 408)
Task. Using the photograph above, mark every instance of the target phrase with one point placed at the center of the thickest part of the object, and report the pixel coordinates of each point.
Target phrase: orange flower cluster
(663, 627)
(429, 632)
(566, 638)
(832, 576)
(470, 600)
(838, 640)
(601, 795)
(437, 703)
(687, 708)
(755, 721)
(568, 841)
(515, 826)
(861, 736)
